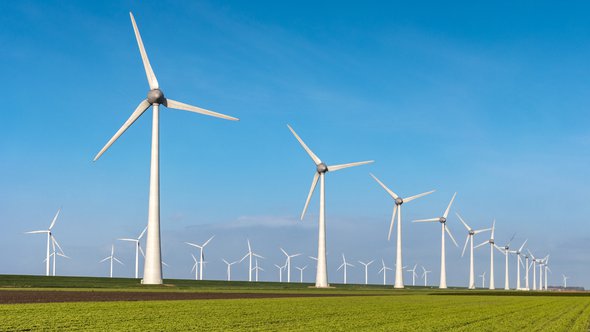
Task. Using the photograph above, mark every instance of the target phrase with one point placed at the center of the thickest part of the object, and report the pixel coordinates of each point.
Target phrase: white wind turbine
(288, 263)
(137, 250)
(321, 170)
(491, 243)
(195, 267)
(444, 229)
(540, 263)
(366, 265)
(518, 263)
(399, 273)
(250, 254)
(256, 269)
(153, 265)
(483, 279)
(546, 268)
(470, 234)
(414, 274)
(506, 250)
(384, 270)
(229, 268)
(527, 268)
(201, 254)
(565, 278)
(56, 253)
(49, 236)
(301, 272)
(112, 258)
(281, 268)
(534, 264)
(344, 265)
(425, 275)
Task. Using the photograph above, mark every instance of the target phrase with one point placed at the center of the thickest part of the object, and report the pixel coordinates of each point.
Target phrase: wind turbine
(483, 279)
(534, 264)
(518, 263)
(229, 268)
(425, 275)
(288, 263)
(399, 273)
(250, 254)
(444, 228)
(344, 265)
(506, 250)
(201, 255)
(153, 265)
(56, 253)
(301, 272)
(384, 270)
(470, 234)
(366, 265)
(565, 278)
(414, 275)
(491, 243)
(541, 262)
(49, 235)
(257, 268)
(112, 258)
(195, 267)
(280, 271)
(137, 250)
(321, 280)
(544, 270)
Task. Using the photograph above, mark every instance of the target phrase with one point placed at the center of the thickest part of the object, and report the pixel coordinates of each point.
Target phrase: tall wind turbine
(49, 235)
(527, 268)
(195, 267)
(56, 253)
(565, 278)
(366, 265)
(229, 268)
(112, 258)
(344, 265)
(505, 250)
(301, 272)
(280, 268)
(250, 254)
(425, 275)
(470, 234)
(201, 255)
(483, 279)
(384, 270)
(540, 263)
(444, 229)
(414, 274)
(256, 269)
(288, 263)
(321, 280)
(399, 272)
(153, 265)
(137, 250)
(491, 243)
(518, 263)
(534, 264)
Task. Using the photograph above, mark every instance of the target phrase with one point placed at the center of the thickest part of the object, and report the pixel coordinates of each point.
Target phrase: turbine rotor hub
(322, 168)
(156, 96)
(442, 220)
(399, 201)
(471, 233)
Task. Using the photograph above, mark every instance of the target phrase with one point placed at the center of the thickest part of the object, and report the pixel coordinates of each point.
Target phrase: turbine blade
(142, 233)
(465, 246)
(426, 220)
(389, 191)
(207, 242)
(314, 183)
(451, 235)
(249, 247)
(493, 228)
(244, 257)
(522, 247)
(481, 244)
(36, 232)
(284, 252)
(463, 221)
(118, 261)
(131, 240)
(54, 219)
(194, 245)
(343, 166)
(257, 255)
(392, 221)
(482, 230)
(411, 198)
(226, 262)
(449, 206)
(105, 259)
(315, 158)
(141, 251)
(149, 72)
(57, 244)
(186, 107)
(141, 108)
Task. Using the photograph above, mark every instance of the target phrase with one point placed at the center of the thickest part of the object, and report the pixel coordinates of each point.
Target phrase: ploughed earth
(46, 296)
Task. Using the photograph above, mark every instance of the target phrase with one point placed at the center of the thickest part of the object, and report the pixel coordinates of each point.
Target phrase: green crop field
(379, 309)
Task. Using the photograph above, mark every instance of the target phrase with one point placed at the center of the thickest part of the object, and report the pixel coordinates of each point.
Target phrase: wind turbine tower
(49, 236)
(470, 235)
(492, 244)
(366, 265)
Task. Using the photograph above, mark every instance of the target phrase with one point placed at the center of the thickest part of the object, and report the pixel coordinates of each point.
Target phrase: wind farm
(429, 107)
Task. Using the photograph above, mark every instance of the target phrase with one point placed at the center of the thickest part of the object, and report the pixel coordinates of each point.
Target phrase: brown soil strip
(48, 296)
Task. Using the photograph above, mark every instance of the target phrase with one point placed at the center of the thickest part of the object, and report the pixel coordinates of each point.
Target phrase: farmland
(373, 308)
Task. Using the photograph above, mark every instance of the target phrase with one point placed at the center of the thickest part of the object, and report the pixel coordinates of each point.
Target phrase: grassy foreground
(408, 310)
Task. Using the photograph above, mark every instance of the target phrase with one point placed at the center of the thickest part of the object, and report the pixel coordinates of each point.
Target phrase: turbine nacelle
(471, 232)
(442, 220)
(322, 168)
(156, 96)
(399, 201)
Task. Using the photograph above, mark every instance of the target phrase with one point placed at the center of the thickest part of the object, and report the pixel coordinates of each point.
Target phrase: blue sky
(488, 100)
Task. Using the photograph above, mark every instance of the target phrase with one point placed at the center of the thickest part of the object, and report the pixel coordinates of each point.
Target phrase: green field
(384, 310)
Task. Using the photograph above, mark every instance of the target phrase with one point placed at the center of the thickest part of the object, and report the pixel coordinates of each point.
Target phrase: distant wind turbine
(384, 270)
(565, 278)
(470, 234)
(483, 279)
(366, 265)
(518, 253)
(506, 250)
(414, 275)
(425, 275)
(229, 268)
(201, 254)
(112, 258)
(137, 250)
(491, 242)
(321, 170)
(153, 264)
(256, 269)
(288, 263)
(195, 267)
(301, 269)
(280, 268)
(344, 265)
(250, 254)
(49, 236)
(397, 209)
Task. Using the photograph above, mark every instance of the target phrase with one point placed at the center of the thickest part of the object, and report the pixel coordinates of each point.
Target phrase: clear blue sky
(489, 100)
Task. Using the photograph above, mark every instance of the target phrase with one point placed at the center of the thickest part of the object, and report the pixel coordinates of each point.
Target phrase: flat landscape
(124, 305)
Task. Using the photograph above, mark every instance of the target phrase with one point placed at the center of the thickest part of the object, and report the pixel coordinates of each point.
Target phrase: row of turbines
(152, 273)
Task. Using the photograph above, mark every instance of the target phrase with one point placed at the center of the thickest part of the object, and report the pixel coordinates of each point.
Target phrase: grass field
(385, 310)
